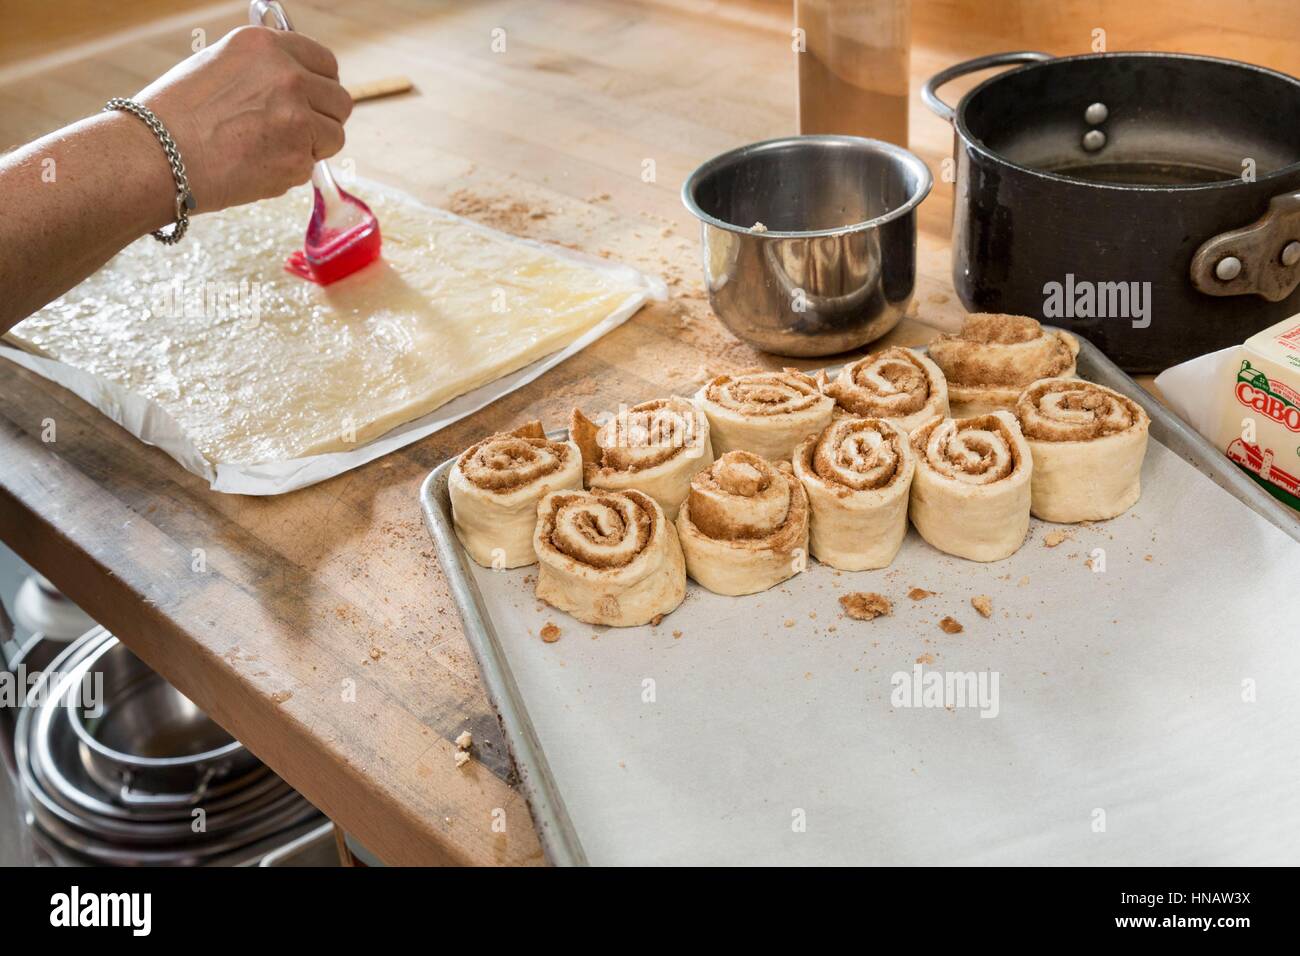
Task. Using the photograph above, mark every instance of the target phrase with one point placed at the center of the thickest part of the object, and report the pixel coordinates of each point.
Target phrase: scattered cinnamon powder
(920, 594)
(925, 659)
(865, 605)
(1053, 538)
(550, 633)
(950, 625)
(982, 603)
(504, 213)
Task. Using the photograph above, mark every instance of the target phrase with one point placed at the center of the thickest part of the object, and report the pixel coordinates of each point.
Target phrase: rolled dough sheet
(255, 365)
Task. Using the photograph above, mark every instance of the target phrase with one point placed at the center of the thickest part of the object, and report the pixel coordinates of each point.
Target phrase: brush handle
(259, 11)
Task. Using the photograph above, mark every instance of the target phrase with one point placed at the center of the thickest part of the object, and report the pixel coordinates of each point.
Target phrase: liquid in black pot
(1144, 173)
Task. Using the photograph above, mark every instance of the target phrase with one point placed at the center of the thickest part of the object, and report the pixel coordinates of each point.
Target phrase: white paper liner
(149, 421)
(1193, 390)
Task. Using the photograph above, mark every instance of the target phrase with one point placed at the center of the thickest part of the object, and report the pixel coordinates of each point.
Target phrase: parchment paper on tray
(262, 383)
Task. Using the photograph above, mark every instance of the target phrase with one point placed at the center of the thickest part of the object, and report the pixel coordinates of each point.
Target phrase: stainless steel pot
(32, 658)
(150, 742)
(80, 821)
(1147, 201)
(833, 264)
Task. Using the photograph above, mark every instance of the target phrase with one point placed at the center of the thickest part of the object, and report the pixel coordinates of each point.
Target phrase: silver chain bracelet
(184, 198)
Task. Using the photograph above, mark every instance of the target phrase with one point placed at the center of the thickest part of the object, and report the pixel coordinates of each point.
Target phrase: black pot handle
(946, 112)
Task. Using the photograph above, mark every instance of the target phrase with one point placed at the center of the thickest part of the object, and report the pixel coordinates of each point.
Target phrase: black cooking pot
(1148, 201)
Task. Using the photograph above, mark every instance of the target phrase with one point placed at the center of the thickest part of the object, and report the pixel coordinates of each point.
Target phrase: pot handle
(946, 112)
(1262, 258)
(137, 798)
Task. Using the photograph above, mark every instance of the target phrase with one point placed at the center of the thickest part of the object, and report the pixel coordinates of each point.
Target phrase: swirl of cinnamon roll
(970, 495)
(857, 474)
(767, 413)
(495, 486)
(990, 361)
(744, 526)
(654, 447)
(1088, 443)
(608, 557)
(896, 384)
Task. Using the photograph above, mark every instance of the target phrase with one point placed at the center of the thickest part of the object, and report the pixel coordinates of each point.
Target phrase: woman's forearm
(72, 200)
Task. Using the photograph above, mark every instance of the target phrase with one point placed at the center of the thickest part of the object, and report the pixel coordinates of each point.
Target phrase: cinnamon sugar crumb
(925, 659)
(655, 621)
(950, 625)
(676, 635)
(865, 605)
(920, 594)
(1053, 538)
(550, 633)
(982, 603)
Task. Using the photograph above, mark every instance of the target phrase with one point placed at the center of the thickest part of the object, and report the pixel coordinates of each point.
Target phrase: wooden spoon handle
(375, 89)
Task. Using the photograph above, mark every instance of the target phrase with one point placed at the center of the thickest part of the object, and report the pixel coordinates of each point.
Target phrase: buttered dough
(258, 365)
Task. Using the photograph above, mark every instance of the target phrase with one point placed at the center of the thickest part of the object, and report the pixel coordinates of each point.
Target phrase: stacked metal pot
(119, 768)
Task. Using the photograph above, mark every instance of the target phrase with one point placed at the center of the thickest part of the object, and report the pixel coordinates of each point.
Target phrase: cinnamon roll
(858, 474)
(654, 447)
(970, 496)
(896, 384)
(991, 360)
(608, 557)
(495, 486)
(1088, 443)
(766, 413)
(744, 526)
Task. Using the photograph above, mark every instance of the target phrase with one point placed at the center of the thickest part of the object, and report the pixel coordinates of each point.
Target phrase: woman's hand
(251, 114)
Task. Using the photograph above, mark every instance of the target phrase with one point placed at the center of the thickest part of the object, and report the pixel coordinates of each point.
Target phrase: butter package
(1259, 422)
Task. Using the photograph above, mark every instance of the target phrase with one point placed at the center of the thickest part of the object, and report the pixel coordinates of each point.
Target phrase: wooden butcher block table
(316, 626)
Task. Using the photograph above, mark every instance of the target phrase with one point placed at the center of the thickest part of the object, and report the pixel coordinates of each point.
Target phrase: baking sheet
(150, 422)
(1144, 714)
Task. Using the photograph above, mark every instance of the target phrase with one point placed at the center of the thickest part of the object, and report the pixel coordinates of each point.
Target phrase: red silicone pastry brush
(343, 234)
